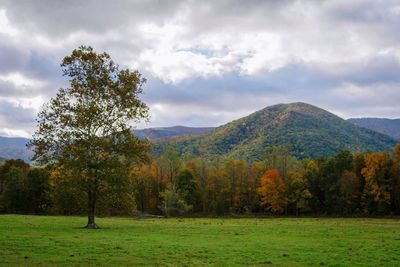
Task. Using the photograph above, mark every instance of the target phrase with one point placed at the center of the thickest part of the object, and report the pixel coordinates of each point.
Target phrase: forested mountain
(165, 132)
(312, 132)
(15, 147)
(390, 127)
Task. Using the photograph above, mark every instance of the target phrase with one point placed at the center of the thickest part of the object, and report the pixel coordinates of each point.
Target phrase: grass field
(37, 240)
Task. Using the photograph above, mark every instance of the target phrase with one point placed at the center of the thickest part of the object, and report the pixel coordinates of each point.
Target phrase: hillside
(15, 147)
(390, 127)
(166, 132)
(313, 132)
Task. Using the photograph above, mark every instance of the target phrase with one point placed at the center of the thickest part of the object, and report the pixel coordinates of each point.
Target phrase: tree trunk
(91, 207)
(204, 204)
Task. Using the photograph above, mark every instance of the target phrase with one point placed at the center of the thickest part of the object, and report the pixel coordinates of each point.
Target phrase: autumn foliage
(272, 191)
(346, 184)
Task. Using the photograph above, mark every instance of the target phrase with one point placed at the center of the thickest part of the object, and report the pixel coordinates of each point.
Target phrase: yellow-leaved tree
(377, 181)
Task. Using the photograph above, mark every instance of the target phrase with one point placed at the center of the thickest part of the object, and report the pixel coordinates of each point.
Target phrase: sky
(208, 62)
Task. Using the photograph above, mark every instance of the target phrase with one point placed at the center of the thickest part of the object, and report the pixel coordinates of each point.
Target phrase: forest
(346, 184)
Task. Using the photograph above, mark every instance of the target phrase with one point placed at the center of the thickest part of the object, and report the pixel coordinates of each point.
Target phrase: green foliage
(186, 187)
(298, 193)
(25, 190)
(15, 196)
(173, 202)
(39, 190)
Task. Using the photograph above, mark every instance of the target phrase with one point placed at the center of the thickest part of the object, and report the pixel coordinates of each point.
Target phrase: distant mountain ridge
(15, 147)
(166, 132)
(312, 131)
(390, 127)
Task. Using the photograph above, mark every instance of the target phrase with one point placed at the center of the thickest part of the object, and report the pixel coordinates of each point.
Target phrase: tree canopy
(86, 128)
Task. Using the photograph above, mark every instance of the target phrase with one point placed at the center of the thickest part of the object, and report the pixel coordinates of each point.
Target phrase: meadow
(61, 241)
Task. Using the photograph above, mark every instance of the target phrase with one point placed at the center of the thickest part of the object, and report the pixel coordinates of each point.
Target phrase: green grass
(49, 240)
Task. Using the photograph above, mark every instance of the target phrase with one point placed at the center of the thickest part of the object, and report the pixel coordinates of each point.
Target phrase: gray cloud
(209, 62)
(16, 120)
(58, 18)
(11, 58)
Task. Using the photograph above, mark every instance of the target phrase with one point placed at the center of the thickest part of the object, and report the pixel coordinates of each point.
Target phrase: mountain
(312, 131)
(390, 127)
(15, 147)
(166, 132)
(2, 159)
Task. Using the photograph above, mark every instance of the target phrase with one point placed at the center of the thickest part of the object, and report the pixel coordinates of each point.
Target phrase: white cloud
(5, 26)
(338, 54)
(14, 133)
(20, 80)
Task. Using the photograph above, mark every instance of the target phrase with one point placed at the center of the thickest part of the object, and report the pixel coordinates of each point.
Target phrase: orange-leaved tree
(272, 191)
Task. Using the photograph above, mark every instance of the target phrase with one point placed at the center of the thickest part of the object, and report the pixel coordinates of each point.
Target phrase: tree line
(346, 184)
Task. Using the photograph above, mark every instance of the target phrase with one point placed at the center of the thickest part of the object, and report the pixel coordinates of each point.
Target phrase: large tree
(86, 128)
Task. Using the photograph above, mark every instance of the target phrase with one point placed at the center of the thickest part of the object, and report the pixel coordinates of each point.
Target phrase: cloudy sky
(208, 62)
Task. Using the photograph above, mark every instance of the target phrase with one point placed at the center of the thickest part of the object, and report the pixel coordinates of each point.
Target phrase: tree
(200, 170)
(218, 187)
(272, 191)
(396, 179)
(170, 164)
(15, 195)
(14, 179)
(313, 179)
(172, 202)
(147, 188)
(278, 157)
(38, 190)
(232, 171)
(358, 165)
(186, 186)
(377, 181)
(298, 193)
(349, 187)
(5, 168)
(86, 127)
(331, 172)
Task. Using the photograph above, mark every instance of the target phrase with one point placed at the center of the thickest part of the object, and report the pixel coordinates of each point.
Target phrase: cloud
(16, 119)
(209, 62)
